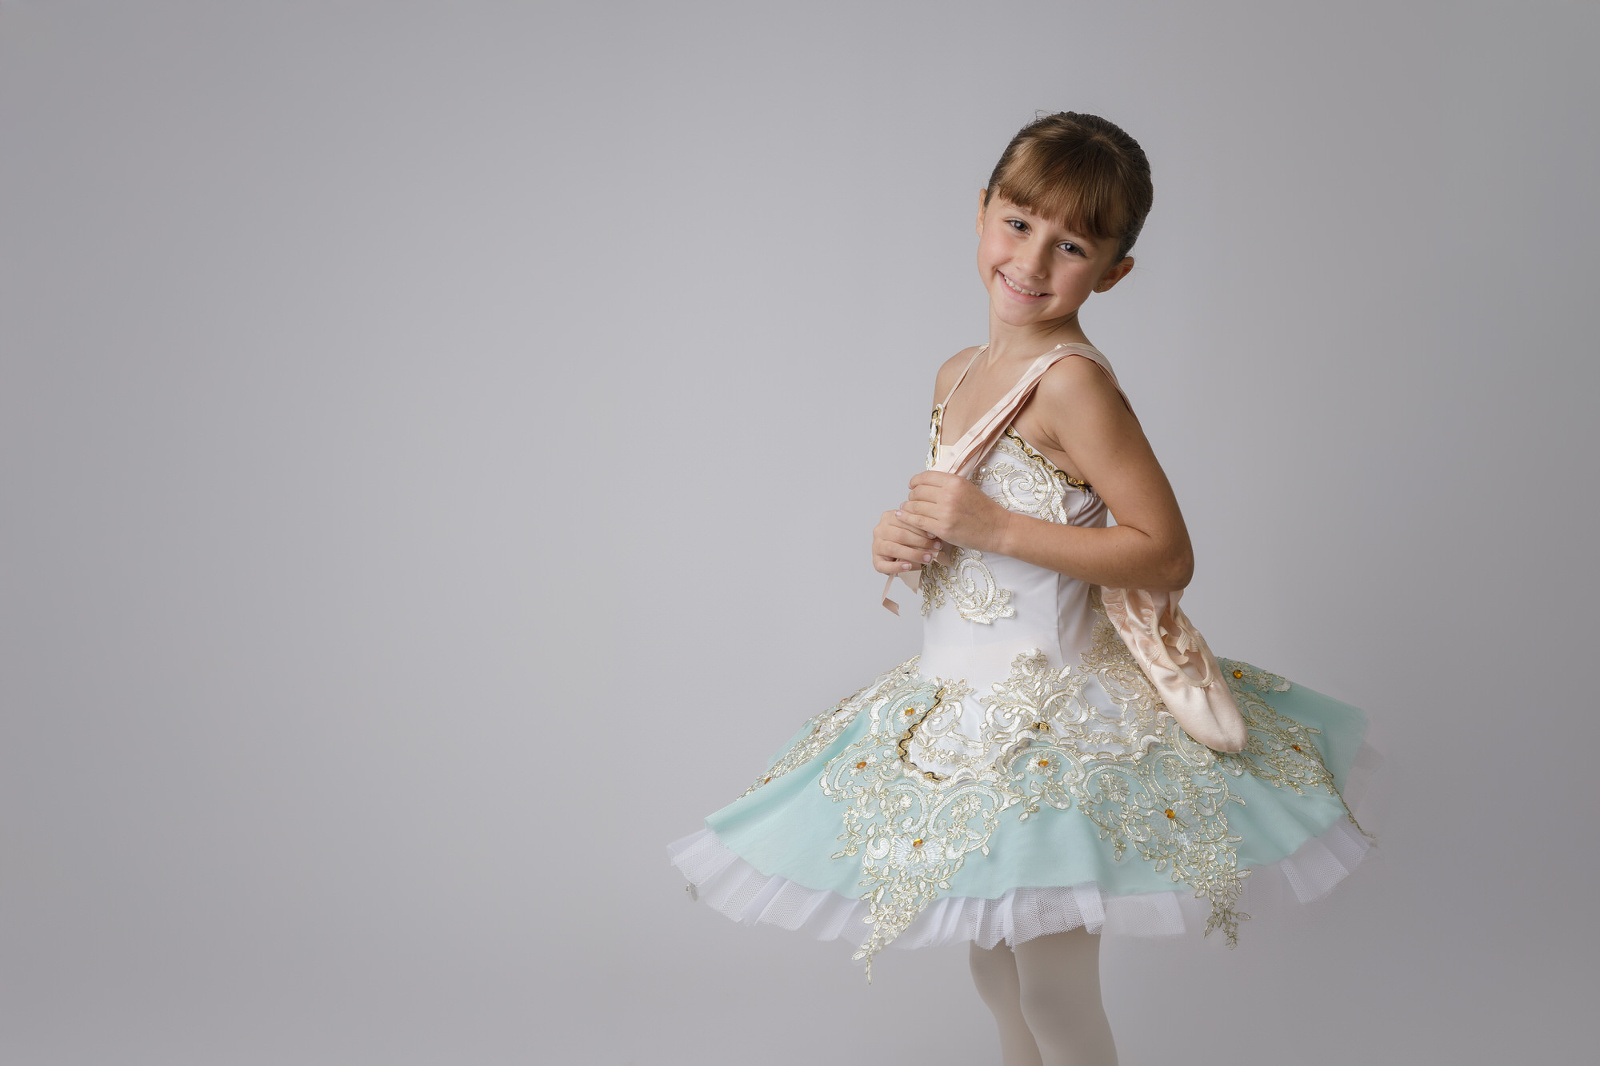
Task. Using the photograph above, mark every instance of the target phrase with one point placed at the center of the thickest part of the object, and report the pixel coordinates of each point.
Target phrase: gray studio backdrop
(440, 442)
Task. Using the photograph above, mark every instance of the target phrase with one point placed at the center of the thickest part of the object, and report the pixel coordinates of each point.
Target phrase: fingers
(925, 529)
(903, 559)
(901, 556)
(948, 487)
(933, 479)
(885, 565)
(914, 542)
(903, 532)
(897, 528)
(897, 549)
(900, 544)
(922, 515)
(903, 520)
(913, 554)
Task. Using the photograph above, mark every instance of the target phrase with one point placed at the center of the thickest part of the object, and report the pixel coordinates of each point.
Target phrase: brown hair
(1080, 170)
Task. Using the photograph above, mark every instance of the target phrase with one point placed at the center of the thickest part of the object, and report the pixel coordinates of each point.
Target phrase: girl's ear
(1115, 274)
(983, 198)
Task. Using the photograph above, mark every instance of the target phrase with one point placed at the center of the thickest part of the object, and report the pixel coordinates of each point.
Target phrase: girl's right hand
(898, 547)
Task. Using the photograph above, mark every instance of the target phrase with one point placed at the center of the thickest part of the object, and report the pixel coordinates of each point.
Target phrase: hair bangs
(1081, 172)
(1078, 189)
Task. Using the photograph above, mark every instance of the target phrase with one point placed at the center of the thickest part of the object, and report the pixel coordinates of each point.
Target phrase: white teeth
(1013, 285)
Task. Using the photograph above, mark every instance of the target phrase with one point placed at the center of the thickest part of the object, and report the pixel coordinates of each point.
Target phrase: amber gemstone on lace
(1044, 762)
(764, 780)
(1296, 747)
(862, 765)
(917, 843)
(1171, 813)
(1238, 673)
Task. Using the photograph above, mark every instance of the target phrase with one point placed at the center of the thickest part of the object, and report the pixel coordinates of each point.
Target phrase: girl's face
(1037, 271)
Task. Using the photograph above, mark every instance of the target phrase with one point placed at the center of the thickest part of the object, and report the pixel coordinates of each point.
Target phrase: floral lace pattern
(969, 584)
(1020, 479)
(1025, 481)
(1279, 750)
(1133, 722)
(823, 728)
(1165, 798)
(1039, 457)
(1043, 742)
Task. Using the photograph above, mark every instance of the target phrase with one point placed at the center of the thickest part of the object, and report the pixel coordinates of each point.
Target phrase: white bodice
(1006, 638)
(982, 609)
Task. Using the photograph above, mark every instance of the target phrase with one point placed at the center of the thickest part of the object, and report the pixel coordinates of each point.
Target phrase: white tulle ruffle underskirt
(722, 879)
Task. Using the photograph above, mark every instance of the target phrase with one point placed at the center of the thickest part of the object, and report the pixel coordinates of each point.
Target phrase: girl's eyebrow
(1089, 243)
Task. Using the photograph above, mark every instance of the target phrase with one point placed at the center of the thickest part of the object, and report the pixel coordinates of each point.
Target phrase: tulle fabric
(719, 877)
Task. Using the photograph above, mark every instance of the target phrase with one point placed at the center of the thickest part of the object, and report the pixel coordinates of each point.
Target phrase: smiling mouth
(1014, 287)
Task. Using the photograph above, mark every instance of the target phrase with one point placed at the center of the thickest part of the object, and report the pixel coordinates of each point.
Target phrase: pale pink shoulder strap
(964, 372)
(965, 455)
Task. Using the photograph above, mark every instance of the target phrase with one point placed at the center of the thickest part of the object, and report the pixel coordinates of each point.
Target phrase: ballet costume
(1021, 776)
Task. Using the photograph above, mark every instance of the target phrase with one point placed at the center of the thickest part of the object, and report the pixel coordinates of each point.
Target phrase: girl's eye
(1070, 248)
(1017, 224)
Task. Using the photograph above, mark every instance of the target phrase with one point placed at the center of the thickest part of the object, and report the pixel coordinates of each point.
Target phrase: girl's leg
(1059, 997)
(994, 971)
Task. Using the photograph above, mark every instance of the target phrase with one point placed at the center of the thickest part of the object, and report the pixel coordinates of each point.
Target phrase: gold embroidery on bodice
(1018, 478)
(969, 584)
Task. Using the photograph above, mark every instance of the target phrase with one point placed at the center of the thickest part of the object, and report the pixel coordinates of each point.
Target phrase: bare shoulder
(1076, 414)
(950, 371)
(1080, 388)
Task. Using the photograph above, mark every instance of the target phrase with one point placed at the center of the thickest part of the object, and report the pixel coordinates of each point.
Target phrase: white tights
(1045, 997)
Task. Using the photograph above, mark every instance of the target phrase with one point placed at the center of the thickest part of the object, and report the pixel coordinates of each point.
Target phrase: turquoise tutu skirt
(845, 836)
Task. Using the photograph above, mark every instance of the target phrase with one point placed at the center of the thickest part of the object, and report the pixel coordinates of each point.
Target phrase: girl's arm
(1079, 413)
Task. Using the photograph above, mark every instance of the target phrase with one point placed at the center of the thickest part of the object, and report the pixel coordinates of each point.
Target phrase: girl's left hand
(955, 510)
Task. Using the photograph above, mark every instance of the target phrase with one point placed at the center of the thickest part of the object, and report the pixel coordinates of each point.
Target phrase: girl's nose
(1031, 259)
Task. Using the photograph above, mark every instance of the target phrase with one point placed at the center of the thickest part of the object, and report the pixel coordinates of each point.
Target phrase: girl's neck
(1008, 342)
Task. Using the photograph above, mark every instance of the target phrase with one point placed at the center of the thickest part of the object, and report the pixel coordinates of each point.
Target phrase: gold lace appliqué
(913, 833)
(1278, 750)
(969, 584)
(823, 728)
(1051, 468)
(1129, 768)
(967, 580)
(1134, 719)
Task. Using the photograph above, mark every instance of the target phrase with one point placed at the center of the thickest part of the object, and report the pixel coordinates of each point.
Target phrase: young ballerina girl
(1022, 784)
